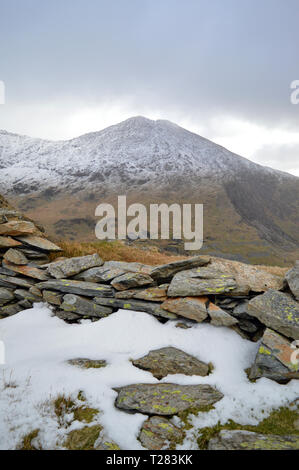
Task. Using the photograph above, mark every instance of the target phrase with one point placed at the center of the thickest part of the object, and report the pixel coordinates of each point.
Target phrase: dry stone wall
(256, 304)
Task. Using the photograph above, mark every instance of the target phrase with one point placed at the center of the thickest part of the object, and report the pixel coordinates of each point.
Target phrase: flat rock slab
(72, 266)
(23, 294)
(185, 287)
(256, 279)
(86, 363)
(153, 294)
(39, 243)
(81, 306)
(15, 256)
(69, 317)
(206, 272)
(7, 272)
(17, 227)
(166, 271)
(246, 440)
(193, 308)
(276, 359)
(278, 311)
(13, 281)
(219, 317)
(129, 267)
(292, 277)
(88, 289)
(7, 242)
(129, 280)
(6, 295)
(28, 271)
(137, 305)
(165, 361)
(100, 274)
(11, 309)
(165, 399)
(159, 433)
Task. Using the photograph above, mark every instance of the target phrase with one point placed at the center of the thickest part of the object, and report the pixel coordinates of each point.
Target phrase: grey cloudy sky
(222, 68)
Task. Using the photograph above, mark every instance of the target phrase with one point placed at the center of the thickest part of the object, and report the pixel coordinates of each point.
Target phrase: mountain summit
(153, 161)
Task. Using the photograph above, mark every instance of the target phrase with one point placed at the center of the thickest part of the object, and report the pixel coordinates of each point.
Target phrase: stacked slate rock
(258, 305)
(23, 248)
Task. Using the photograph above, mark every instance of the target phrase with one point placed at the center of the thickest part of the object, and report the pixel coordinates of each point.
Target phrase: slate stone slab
(6, 295)
(248, 276)
(292, 277)
(166, 271)
(72, 266)
(246, 440)
(24, 294)
(219, 317)
(88, 289)
(278, 311)
(129, 280)
(69, 317)
(39, 243)
(7, 242)
(185, 287)
(15, 256)
(129, 267)
(99, 274)
(11, 309)
(28, 271)
(152, 294)
(138, 306)
(165, 399)
(17, 227)
(86, 363)
(81, 306)
(12, 281)
(274, 359)
(193, 308)
(159, 433)
(165, 361)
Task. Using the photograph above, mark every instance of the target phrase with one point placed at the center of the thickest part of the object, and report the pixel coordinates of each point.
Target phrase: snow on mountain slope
(137, 151)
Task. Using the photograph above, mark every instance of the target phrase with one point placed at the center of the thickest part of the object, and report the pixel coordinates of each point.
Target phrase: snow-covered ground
(38, 346)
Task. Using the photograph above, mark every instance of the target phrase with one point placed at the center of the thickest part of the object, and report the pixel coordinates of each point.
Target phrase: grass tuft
(26, 443)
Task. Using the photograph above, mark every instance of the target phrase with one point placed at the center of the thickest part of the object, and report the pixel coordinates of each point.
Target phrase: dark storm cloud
(230, 56)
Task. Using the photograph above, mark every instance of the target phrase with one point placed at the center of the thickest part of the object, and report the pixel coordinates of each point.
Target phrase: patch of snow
(38, 346)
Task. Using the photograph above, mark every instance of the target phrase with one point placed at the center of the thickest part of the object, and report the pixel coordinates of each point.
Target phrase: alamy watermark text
(135, 222)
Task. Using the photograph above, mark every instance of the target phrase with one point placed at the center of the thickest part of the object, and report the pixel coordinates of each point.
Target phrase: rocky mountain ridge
(138, 151)
(61, 183)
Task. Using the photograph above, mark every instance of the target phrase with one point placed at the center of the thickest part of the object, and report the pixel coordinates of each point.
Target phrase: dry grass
(119, 251)
(27, 444)
(115, 250)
